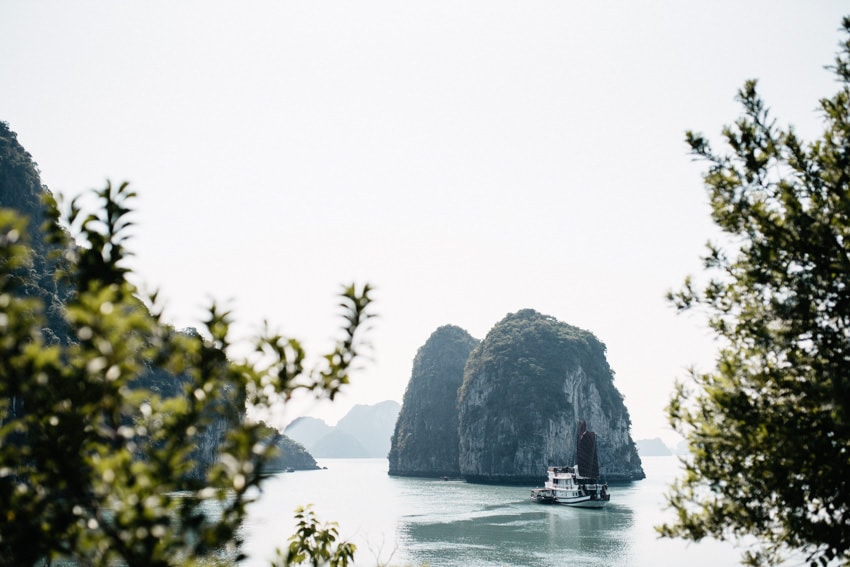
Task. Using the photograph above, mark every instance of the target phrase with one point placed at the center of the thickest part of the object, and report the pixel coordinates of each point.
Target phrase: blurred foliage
(97, 444)
(768, 428)
(314, 544)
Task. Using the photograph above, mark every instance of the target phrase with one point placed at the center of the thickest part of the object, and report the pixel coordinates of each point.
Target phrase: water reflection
(514, 532)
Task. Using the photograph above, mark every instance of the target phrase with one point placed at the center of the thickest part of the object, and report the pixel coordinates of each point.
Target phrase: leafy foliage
(96, 467)
(314, 543)
(768, 428)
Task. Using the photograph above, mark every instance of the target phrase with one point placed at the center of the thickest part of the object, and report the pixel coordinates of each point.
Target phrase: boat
(576, 485)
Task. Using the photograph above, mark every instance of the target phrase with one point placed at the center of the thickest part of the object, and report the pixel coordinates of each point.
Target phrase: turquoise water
(413, 522)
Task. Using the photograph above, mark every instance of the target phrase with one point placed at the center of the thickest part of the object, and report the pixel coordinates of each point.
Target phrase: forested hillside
(21, 190)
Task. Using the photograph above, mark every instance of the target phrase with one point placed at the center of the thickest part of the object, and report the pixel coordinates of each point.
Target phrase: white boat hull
(566, 487)
(583, 502)
(545, 496)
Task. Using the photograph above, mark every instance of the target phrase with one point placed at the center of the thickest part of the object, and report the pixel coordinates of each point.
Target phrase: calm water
(413, 522)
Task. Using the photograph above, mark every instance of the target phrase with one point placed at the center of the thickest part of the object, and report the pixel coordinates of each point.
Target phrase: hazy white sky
(469, 159)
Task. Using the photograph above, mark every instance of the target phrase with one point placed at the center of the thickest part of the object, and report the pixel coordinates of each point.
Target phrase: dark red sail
(587, 460)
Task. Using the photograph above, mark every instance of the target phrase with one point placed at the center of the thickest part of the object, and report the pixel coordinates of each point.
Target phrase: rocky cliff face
(20, 183)
(208, 441)
(525, 388)
(425, 441)
(22, 191)
(505, 409)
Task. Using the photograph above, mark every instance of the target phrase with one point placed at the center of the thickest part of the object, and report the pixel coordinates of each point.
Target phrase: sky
(466, 158)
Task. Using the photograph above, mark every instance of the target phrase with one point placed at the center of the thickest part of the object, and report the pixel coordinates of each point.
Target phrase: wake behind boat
(579, 484)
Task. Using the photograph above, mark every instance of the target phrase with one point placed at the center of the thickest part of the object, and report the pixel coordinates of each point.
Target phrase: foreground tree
(768, 429)
(94, 466)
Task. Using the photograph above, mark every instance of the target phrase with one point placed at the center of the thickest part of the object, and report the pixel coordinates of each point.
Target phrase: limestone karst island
(505, 408)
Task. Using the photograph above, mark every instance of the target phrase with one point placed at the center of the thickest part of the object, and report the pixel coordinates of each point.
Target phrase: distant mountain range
(652, 448)
(657, 448)
(364, 432)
